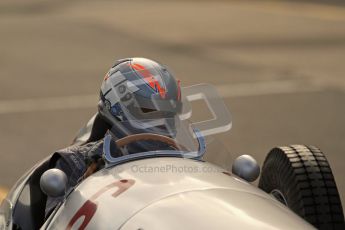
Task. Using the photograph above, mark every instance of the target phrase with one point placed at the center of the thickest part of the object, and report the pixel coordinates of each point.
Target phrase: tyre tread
(304, 174)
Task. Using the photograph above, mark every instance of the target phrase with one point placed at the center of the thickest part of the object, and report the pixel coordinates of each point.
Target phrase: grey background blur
(278, 64)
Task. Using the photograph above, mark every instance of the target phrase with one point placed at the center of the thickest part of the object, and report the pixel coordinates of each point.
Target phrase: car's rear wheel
(300, 177)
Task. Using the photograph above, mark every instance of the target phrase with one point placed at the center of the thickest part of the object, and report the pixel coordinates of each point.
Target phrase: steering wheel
(134, 138)
(149, 137)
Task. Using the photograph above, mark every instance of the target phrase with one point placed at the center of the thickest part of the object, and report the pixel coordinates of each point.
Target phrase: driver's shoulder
(75, 155)
(83, 149)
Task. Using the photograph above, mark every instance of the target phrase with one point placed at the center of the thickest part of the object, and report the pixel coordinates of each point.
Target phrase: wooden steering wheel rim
(133, 138)
(148, 137)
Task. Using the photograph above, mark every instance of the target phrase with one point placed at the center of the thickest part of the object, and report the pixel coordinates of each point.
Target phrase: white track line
(298, 9)
(90, 101)
(266, 88)
(48, 104)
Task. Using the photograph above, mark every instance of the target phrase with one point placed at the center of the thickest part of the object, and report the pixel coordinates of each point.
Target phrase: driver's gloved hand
(94, 153)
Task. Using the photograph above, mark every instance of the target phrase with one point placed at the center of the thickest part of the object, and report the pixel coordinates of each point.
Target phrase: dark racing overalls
(74, 160)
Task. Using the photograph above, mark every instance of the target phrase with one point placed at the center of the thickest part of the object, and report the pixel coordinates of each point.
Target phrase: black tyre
(301, 178)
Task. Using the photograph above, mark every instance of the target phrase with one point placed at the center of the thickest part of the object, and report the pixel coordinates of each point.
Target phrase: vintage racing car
(177, 189)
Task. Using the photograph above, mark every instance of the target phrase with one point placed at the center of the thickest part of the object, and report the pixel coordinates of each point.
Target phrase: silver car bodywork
(170, 193)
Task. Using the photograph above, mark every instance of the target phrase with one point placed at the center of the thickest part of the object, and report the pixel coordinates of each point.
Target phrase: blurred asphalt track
(280, 66)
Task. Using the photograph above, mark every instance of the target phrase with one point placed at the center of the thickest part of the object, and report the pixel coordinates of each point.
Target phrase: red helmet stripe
(150, 79)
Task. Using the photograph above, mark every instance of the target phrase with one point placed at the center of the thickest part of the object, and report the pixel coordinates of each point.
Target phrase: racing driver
(137, 95)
